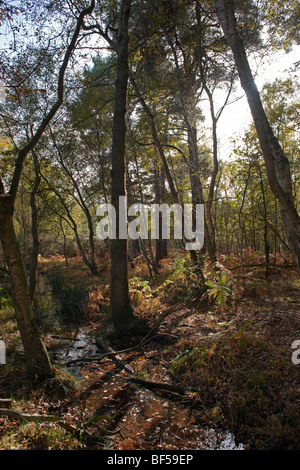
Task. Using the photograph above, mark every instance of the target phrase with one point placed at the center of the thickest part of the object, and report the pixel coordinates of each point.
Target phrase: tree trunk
(161, 245)
(162, 156)
(64, 242)
(266, 241)
(37, 357)
(277, 164)
(91, 263)
(139, 244)
(196, 184)
(157, 142)
(88, 260)
(197, 189)
(122, 312)
(34, 231)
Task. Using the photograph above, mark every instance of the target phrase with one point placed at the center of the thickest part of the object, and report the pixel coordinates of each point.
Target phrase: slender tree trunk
(143, 244)
(213, 178)
(196, 184)
(84, 206)
(214, 120)
(266, 240)
(64, 241)
(34, 231)
(71, 222)
(122, 312)
(277, 164)
(162, 156)
(161, 245)
(241, 222)
(159, 146)
(37, 357)
(36, 354)
(197, 189)
(157, 142)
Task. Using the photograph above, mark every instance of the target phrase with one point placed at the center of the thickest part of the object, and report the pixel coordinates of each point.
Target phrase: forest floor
(214, 372)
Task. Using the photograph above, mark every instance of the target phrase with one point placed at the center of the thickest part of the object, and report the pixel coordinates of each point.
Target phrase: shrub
(70, 297)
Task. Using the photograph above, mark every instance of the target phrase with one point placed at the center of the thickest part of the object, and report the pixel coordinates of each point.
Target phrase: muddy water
(162, 424)
(73, 351)
(140, 419)
(143, 419)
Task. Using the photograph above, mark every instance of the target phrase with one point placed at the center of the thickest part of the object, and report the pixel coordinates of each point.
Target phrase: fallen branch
(28, 418)
(156, 385)
(34, 418)
(113, 354)
(110, 352)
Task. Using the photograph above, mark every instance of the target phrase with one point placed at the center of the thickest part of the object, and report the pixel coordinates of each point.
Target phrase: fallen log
(157, 386)
(34, 418)
(123, 366)
(28, 418)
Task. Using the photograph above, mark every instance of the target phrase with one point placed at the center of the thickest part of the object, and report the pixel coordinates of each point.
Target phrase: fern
(220, 290)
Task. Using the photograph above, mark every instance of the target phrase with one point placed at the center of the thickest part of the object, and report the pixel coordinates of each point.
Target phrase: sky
(236, 116)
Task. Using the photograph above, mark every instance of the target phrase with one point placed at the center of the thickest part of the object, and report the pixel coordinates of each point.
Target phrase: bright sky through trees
(236, 116)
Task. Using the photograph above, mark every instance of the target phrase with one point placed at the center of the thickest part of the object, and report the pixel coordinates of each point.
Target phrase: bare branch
(60, 90)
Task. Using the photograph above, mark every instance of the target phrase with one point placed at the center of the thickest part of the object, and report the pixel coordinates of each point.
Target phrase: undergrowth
(69, 295)
(238, 377)
(241, 380)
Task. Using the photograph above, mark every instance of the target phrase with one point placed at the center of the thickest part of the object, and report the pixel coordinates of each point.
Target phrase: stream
(149, 418)
(146, 419)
